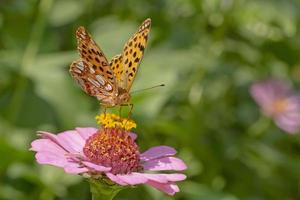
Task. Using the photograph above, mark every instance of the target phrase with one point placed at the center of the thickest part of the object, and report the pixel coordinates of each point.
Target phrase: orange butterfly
(109, 82)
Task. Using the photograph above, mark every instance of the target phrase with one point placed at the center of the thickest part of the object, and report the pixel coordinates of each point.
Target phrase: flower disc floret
(115, 148)
(108, 120)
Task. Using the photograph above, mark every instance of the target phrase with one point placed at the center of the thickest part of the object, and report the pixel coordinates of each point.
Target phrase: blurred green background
(206, 52)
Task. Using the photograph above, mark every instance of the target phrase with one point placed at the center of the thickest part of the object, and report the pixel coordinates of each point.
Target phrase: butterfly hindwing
(93, 55)
(133, 53)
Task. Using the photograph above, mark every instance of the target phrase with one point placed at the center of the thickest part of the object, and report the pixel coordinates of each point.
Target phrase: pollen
(109, 120)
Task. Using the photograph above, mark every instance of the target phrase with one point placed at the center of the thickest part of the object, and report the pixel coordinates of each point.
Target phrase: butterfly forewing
(93, 84)
(93, 55)
(133, 53)
(116, 65)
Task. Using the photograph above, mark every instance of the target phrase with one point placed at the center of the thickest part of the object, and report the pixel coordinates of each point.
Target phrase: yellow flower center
(280, 105)
(109, 120)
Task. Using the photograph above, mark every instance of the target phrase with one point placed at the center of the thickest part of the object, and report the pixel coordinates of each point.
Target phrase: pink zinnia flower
(278, 101)
(110, 153)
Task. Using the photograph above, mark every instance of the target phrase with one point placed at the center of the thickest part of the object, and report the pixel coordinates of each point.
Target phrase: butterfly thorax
(120, 97)
(123, 96)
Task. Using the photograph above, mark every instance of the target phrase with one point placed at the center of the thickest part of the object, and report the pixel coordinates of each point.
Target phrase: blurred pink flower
(110, 152)
(278, 101)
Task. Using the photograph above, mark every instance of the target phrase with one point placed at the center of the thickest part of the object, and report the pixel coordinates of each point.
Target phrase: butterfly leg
(104, 109)
(130, 111)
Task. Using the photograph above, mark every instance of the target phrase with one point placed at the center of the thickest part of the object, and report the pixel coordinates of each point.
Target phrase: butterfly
(109, 82)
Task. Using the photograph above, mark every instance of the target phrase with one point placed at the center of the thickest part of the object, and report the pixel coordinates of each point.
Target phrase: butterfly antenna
(161, 85)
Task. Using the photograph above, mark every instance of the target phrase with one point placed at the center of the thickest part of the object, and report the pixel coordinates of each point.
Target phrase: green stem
(103, 191)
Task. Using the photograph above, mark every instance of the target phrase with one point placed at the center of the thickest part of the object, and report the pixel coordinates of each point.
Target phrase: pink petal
(78, 157)
(46, 145)
(48, 152)
(50, 136)
(169, 188)
(96, 167)
(156, 177)
(133, 178)
(289, 120)
(75, 168)
(175, 177)
(86, 132)
(50, 159)
(287, 124)
(168, 163)
(115, 179)
(69, 140)
(262, 96)
(133, 136)
(293, 104)
(266, 92)
(165, 178)
(157, 152)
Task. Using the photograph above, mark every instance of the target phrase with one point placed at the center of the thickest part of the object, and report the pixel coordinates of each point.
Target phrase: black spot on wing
(104, 64)
(136, 60)
(108, 72)
(141, 47)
